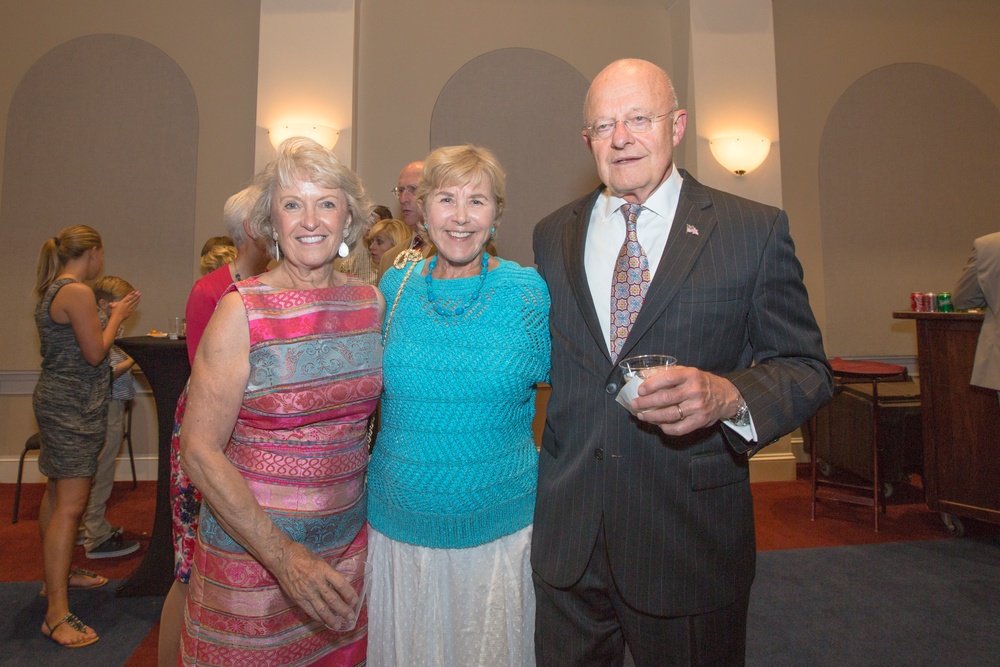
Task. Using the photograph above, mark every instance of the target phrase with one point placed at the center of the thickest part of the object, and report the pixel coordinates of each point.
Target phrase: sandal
(83, 573)
(74, 623)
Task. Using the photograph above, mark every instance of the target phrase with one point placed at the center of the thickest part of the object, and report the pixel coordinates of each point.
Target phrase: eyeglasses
(602, 128)
(409, 189)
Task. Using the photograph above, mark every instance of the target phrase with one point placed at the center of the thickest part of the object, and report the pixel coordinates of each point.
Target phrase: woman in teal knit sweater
(453, 473)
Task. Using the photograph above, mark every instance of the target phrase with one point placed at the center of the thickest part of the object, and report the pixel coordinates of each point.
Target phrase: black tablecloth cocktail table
(164, 362)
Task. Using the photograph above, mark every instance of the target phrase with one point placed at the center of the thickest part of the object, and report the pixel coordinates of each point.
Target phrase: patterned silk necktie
(630, 282)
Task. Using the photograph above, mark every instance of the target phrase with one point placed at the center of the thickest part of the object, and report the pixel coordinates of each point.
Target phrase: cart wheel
(825, 468)
(953, 523)
(887, 489)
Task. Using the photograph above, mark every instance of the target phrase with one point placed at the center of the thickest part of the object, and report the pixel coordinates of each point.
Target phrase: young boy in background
(100, 538)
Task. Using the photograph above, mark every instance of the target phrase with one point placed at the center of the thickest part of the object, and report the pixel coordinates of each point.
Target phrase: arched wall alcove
(102, 130)
(907, 180)
(527, 106)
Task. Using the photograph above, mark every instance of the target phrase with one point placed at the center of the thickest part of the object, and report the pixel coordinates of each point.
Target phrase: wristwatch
(742, 416)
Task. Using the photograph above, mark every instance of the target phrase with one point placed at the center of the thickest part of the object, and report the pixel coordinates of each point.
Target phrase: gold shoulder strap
(410, 257)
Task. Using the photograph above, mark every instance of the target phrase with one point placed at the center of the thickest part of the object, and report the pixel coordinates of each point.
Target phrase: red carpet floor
(781, 508)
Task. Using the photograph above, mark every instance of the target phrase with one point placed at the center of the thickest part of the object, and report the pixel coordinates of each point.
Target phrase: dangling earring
(493, 232)
(344, 250)
(277, 248)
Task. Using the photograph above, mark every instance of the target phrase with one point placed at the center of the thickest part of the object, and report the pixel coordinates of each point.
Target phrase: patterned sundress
(185, 500)
(300, 442)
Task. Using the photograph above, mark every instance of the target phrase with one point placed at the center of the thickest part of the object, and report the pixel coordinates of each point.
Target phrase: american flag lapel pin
(691, 229)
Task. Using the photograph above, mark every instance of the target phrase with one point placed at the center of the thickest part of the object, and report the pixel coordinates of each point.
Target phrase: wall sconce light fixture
(740, 154)
(323, 135)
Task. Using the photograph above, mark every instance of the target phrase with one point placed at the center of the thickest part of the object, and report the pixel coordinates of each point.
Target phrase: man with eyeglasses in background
(406, 192)
(644, 532)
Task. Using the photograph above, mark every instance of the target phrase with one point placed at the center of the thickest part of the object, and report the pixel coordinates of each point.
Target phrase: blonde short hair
(458, 165)
(217, 256)
(112, 288)
(396, 230)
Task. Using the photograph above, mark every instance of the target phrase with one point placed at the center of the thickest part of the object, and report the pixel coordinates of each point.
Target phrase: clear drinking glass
(635, 371)
(645, 365)
(358, 573)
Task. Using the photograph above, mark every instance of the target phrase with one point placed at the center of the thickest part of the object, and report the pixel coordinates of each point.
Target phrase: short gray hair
(237, 210)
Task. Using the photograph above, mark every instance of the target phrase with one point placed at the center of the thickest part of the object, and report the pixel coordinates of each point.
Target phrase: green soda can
(944, 303)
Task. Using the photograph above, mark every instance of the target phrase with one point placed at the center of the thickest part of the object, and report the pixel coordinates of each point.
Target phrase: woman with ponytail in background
(71, 407)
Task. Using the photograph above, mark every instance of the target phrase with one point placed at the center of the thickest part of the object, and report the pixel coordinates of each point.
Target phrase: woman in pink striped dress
(283, 385)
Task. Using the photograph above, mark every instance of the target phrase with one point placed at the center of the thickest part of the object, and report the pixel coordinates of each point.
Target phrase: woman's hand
(315, 586)
(125, 306)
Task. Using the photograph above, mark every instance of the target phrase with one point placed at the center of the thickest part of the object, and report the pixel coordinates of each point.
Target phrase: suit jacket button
(611, 388)
(599, 454)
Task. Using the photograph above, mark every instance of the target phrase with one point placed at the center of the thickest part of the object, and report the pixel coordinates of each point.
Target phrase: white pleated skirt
(451, 607)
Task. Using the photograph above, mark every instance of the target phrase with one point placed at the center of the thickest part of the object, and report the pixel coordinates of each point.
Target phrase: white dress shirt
(606, 233)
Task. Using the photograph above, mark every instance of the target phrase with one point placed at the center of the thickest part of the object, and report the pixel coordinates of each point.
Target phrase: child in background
(100, 538)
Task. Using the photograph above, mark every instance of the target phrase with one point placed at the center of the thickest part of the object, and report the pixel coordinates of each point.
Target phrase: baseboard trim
(145, 470)
(778, 467)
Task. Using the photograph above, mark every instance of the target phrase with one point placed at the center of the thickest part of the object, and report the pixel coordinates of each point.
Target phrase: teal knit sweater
(455, 463)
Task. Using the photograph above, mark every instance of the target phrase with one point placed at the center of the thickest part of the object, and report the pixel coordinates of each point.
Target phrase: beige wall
(306, 70)
(822, 49)
(406, 56)
(214, 44)
(734, 90)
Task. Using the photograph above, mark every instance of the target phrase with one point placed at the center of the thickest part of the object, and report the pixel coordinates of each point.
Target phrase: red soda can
(930, 302)
(917, 302)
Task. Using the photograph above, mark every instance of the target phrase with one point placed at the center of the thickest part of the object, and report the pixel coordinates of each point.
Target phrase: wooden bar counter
(961, 423)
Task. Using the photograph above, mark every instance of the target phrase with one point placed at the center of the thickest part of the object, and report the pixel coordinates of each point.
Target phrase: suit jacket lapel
(574, 242)
(692, 226)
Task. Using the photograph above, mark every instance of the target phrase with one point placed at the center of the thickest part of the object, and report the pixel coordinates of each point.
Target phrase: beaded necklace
(458, 310)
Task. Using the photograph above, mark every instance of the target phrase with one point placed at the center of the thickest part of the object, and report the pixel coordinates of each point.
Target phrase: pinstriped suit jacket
(677, 512)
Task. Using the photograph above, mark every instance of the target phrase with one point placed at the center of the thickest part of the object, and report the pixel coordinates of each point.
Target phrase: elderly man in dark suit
(644, 530)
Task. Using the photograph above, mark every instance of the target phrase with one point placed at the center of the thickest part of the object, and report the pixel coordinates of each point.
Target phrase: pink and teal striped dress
(301, 444)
